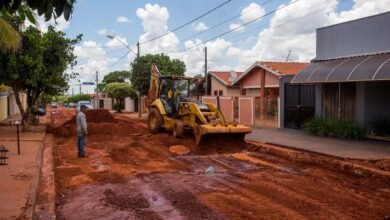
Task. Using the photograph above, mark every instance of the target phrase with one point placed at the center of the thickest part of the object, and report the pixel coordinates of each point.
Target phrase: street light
(137, 54)
(127, 46)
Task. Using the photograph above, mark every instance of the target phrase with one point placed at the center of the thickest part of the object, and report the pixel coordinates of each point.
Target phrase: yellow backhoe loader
(172, 107)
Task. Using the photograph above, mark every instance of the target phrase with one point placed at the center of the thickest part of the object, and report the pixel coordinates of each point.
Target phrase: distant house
(262, 78)
(351, 70)
(8, 105)
(221, 83)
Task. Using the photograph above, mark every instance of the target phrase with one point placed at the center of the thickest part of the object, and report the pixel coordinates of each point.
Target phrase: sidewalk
(18, 179)
(363, 149)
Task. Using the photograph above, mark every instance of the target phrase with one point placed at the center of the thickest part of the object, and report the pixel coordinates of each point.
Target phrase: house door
(299, 104)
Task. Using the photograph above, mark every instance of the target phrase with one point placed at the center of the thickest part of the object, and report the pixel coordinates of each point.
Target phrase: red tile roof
(224, 76)
(284, 68)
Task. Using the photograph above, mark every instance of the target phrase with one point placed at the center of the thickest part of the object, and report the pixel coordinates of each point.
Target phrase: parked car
(86, 103)
(54, 105)
(39, 111)
(72, 105)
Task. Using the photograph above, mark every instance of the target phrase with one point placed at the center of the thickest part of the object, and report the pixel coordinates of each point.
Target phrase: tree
(119, 91)
(140, 70)
(80, 97)
(116, 76)
(39, 67)
(10, 39)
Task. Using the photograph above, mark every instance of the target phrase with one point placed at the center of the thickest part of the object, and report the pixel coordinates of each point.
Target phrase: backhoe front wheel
(155, 121)
(178, 129)
(197, 135)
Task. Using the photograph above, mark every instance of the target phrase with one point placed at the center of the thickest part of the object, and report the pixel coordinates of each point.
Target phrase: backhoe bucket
(219, 135)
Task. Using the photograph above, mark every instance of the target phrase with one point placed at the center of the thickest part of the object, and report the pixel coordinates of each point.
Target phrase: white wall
(129, 105)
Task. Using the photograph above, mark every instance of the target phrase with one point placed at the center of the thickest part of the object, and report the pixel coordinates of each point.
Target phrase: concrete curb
(321, 159)
(44, 207)
(28, 212)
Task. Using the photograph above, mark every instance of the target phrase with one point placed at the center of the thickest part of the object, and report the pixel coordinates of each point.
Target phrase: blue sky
(291, 28)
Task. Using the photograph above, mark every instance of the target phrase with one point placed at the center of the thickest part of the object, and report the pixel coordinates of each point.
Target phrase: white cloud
(103, 31)
(92, 57)
(194, 58)
(236, 27)
(293, 28)
(251, 12)
(123, 19)
(200, 26)
(154, 20)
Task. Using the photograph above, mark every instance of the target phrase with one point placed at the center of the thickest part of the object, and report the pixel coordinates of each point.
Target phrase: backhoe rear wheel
(178, 129)
(155, 121)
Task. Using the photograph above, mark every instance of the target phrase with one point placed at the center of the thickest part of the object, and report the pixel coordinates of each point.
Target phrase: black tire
(178, 129)
(155, 121)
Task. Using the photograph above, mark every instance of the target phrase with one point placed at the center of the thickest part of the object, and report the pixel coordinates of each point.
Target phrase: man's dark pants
(80, 145)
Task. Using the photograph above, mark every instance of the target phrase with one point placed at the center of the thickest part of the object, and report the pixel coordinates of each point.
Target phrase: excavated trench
(130, 174)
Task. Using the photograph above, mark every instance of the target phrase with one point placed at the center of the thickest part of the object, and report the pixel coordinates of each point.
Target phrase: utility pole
(97, 91)
(139, 92)
(80, 88)
(205, 71)
(72, 91)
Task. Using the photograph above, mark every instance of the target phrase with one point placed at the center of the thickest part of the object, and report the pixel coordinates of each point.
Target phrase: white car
(86, 103)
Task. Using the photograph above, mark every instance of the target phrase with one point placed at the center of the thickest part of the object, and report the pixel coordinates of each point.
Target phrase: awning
(352, 69)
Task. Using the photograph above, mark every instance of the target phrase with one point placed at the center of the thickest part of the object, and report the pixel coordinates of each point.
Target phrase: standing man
(82, 131)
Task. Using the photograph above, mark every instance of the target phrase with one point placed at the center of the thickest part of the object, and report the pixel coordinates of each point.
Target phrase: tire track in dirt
(128, 164)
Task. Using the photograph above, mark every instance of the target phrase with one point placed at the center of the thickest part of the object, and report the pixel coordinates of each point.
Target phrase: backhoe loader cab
(173, 107)
(173, 90)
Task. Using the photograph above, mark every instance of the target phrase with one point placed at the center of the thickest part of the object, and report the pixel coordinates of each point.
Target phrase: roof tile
(284, 68)
(224, 76)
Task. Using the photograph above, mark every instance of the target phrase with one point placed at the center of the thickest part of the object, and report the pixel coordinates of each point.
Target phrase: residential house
(262, 78)
(221, 83)
(351, 70)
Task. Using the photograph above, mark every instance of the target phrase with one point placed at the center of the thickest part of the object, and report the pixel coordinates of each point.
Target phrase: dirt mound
(99, 115)
(95, 116)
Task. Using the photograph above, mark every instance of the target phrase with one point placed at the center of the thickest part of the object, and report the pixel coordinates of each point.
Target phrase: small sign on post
(17, 123)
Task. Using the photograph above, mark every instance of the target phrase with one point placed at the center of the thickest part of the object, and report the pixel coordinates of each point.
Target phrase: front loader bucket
(218, 135)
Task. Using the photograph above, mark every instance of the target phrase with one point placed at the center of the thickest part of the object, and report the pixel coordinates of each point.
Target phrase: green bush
(81, 97)
(380, 127)
(334, 128)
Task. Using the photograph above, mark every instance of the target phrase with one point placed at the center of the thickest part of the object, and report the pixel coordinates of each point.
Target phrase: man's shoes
(83, 156)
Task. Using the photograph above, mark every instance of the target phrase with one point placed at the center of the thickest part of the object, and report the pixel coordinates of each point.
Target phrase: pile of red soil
(96, 116)
(93, 116)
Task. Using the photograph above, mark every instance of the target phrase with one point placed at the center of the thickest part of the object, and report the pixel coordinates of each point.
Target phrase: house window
(218, 92)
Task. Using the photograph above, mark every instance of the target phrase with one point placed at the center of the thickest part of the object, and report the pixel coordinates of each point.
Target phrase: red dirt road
(130, 174)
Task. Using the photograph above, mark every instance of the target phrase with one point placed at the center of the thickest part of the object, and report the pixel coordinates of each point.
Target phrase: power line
(187, 23)
(238, 27)
(120, 59)
(93, 47)
(217, 25)
(223, 22)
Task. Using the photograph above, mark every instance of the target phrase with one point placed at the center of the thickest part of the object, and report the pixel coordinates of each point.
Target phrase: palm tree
(10, 39)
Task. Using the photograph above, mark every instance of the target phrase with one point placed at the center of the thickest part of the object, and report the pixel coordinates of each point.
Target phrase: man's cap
(83, 107)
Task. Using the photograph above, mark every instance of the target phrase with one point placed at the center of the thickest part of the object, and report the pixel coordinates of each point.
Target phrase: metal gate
(246, 110)
(299, 104)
